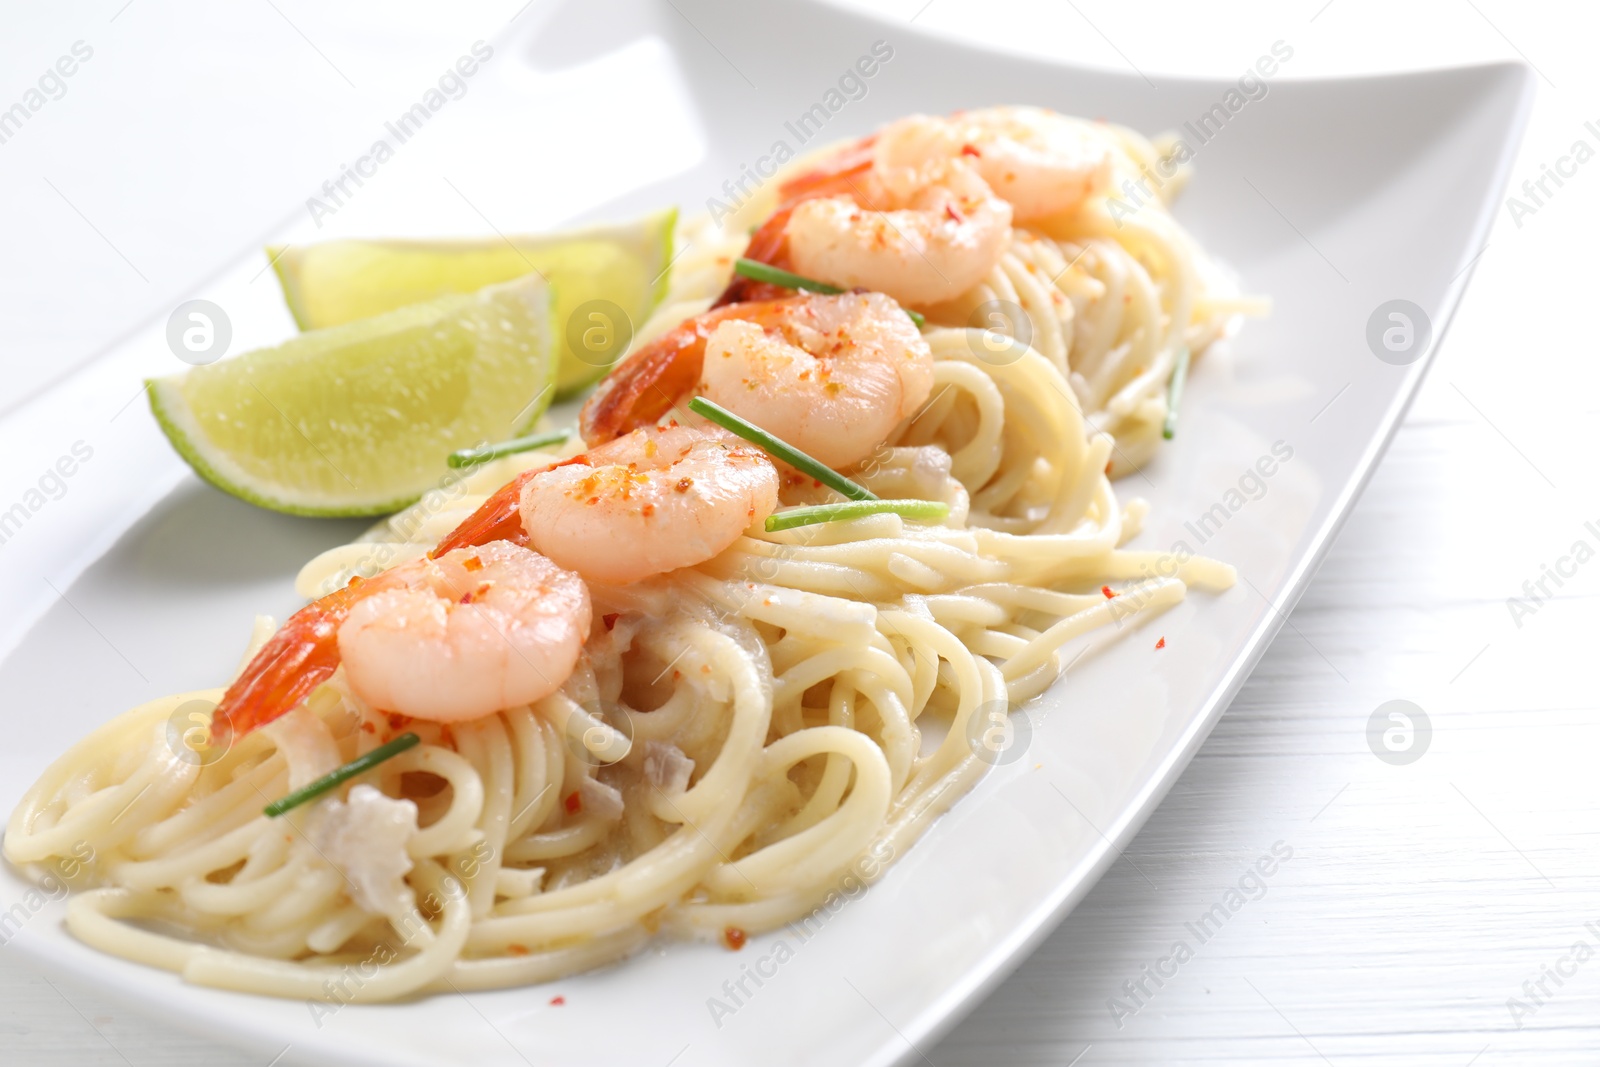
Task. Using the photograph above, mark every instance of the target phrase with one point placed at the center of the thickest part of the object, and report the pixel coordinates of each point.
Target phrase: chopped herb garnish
(916, 510)
(471, 457)
(1180, 373)
(758, 271)
(778, 449)
(337, 777)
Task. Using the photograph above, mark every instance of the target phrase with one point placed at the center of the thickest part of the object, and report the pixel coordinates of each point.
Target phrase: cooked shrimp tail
(838, 175)
(644, 388)
(496, 518)
(298, 658)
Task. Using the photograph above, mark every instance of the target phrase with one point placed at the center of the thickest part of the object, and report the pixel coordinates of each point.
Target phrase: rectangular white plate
(1334, 197)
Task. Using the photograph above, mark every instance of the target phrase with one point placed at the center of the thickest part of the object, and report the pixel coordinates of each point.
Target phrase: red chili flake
(953, 214)
(447, 738)
(684, 485)
(610, 619)
(396, 720)
(1106, 589)
(574, 803)
(970, 150)
(734, 937)
(369, 728)
(556, 1002)
(517, 950)
(1161, 643)
(472, 563)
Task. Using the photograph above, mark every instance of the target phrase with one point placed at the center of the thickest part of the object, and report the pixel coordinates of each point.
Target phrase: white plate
(1334, 197)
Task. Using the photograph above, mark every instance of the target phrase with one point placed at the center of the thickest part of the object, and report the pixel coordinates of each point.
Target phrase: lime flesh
(617, 272)
(358, 419)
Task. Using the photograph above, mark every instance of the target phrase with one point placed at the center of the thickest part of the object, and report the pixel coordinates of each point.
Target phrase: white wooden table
(1430, 913)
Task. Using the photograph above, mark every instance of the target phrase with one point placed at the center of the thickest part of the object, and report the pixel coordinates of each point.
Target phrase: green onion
(337, 777)
(471, 457)
(755, 270)
(1180, 372)
(917, 510)
(778, 450)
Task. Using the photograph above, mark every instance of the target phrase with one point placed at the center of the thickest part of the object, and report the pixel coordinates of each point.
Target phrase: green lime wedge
(359, 419)
(607, 281)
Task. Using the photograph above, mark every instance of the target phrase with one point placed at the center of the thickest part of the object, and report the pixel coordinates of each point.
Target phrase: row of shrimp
(497, 615)
(923, 209)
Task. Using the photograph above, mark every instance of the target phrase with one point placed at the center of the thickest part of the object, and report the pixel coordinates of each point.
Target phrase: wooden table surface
(1435, 912)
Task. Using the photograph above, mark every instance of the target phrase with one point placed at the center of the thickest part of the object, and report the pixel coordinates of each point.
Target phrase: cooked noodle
(1107, 294)
(739, 738)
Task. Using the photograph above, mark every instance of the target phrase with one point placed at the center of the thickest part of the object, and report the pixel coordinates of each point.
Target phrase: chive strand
(471, 457)
(1180, 374)
(916, 510)
(779, 449)
(758, 271)
(337, 777)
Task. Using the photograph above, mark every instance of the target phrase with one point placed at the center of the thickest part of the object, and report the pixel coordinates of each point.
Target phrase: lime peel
(358, 419)
(625, 264)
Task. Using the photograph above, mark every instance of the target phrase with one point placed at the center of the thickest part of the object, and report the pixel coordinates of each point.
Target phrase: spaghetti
(737, 736)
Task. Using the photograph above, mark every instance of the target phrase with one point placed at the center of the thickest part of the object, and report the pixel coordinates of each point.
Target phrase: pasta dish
(845, 506)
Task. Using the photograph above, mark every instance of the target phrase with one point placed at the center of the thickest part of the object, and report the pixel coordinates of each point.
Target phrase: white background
(1418, 899)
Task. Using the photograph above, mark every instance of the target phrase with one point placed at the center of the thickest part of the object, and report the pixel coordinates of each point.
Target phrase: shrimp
(834, 383)
(922, 239)
(1039, 161)
(653, 501)
(922, 209)
(830, 375)
(485, 622)
(469, 633)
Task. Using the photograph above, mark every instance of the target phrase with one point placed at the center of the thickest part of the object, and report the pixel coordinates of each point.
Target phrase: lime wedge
(607, 281)
(359, 419)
